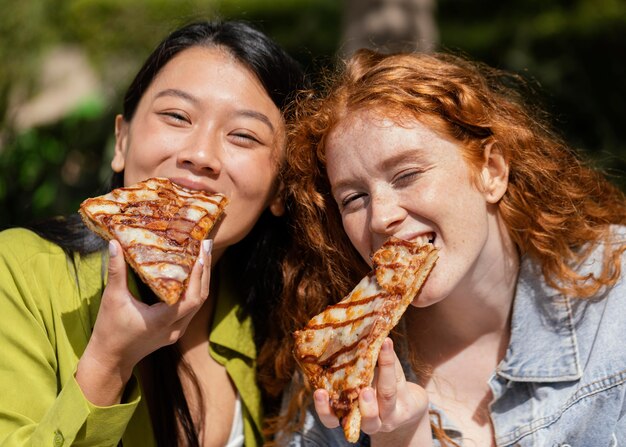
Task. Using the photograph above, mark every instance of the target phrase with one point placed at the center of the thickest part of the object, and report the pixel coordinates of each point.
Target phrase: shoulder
(22, 237)
(39, 273)
(594, 261)
(21, 246)
(611, 300)
(599, 321)
(29, 263)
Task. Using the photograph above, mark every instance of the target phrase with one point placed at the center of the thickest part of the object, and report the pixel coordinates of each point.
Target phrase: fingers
(140, 328)
(322, 407)
(391, 402)
(378, 406)
(387, 383)
(373, 405)
(207, 246)
(198, 285)
(368, 405)
(117, 267)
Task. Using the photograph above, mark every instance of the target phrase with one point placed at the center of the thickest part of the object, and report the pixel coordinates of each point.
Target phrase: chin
(426, 297)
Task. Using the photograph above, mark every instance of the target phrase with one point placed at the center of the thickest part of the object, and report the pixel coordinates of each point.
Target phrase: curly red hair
(556, 208)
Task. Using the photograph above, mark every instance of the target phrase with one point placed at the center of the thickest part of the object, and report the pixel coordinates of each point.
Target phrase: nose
(386, 214)
(202, 155)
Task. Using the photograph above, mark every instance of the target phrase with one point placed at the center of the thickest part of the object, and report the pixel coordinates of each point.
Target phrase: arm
(42, 402)
(127, 330)
(394, 412)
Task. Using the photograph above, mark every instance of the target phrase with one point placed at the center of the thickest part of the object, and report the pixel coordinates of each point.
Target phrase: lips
(192, 184)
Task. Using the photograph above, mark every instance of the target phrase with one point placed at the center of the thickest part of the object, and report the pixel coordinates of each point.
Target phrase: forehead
(361, 122)
(377, 139)
(214, 73)
(376, 118)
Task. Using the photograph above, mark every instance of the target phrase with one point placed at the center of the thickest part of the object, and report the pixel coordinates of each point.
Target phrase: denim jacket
(563, 378)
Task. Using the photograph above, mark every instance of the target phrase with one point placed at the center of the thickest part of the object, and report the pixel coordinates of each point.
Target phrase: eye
(175, 117)
(244, 139)
(352, 201)
(406, 177)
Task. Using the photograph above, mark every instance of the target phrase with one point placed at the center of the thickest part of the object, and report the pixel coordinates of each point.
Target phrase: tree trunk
(389, 26)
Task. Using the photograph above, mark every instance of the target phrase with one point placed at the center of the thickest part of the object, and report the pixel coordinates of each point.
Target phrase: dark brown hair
(259, 253)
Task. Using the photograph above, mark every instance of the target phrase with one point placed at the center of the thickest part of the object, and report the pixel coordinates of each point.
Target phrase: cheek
(355, 226)
(254, 178)
(350, 225)
(139, 168)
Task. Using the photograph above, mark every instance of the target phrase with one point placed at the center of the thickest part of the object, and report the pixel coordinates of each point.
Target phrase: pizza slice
(160, 226)
(338, 348)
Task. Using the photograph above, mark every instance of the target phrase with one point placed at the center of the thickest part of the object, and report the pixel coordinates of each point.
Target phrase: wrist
(408, 435)
(102, 381)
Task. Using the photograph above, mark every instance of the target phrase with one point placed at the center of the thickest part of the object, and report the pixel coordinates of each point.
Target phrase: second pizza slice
(338, 348)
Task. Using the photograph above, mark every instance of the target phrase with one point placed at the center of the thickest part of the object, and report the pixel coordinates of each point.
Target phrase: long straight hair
(259, 253)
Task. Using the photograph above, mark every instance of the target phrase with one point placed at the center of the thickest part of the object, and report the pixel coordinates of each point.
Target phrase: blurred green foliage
(50, 169)
(572, 50)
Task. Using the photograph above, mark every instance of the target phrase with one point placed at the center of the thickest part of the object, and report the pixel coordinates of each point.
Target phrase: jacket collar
(543, 345)
(231, 329)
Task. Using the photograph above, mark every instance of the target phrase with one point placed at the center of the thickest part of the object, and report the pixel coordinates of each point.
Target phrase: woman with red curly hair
(517, 336)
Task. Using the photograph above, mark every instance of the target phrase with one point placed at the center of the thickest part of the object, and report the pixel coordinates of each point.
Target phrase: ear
(121, 144)
(494, 174)
(277, 204)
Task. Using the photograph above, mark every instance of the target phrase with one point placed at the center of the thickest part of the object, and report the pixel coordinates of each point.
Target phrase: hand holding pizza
(127, 330)
(393, 412)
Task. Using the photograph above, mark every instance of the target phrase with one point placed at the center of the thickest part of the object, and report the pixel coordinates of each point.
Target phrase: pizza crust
(338, 349)
(159, 226)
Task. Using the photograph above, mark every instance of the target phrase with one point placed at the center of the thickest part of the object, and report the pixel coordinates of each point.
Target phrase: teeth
(425, 239)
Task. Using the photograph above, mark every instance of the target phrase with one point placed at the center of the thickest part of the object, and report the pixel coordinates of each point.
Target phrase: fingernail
(386, 345)
(201, 257)
(319, 397)
(368, 395)
(207, 246)
(112, 249)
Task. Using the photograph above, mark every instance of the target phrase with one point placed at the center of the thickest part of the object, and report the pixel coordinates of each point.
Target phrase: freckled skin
(406, 181)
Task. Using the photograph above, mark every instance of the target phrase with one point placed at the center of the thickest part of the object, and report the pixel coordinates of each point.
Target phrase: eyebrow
(410, 154)
(245, 112)
(256, 115)
(177, 93)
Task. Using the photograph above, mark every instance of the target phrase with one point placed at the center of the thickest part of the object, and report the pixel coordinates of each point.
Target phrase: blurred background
(66, 64)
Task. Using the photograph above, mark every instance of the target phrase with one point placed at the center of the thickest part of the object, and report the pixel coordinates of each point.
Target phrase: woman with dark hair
(516, 337)
(89, 357)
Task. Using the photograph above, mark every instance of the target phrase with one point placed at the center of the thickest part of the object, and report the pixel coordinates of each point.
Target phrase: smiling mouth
(191, 184)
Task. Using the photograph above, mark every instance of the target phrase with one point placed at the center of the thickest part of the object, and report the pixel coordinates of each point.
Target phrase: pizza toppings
(160, 226)
(338, 349)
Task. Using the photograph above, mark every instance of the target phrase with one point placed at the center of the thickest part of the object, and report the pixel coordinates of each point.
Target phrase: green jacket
(48, 306)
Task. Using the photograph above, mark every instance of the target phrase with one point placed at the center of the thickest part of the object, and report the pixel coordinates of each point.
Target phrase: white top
(236, 432)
